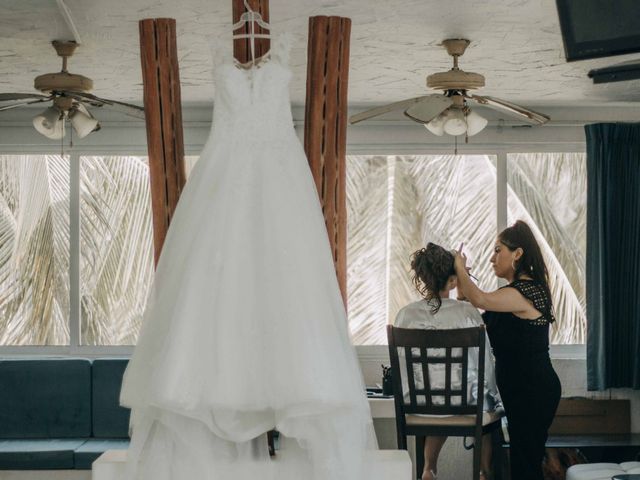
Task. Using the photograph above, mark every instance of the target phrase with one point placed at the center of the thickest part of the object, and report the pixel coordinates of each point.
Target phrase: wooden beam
(325, 128)
(163, 113)
(242, 47)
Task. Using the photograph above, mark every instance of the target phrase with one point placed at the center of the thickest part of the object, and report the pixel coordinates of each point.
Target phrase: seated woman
(434, 277)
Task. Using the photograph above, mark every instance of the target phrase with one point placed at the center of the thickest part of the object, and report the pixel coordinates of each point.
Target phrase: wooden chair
(417, 349)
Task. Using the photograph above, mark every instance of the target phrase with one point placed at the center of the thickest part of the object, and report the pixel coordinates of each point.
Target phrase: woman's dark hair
(531, 263)
(432, 266)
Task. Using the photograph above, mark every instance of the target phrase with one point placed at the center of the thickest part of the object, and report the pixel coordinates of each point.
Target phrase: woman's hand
(460, 262)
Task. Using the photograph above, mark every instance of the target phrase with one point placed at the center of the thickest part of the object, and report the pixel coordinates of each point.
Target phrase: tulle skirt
(245, 330)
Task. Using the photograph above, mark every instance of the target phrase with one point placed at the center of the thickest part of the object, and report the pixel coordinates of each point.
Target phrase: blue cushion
(87, 453)
(45, 398)
(110, 420)
(38, 454)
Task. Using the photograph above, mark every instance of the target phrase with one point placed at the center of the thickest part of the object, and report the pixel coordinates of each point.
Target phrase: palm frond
(447, 200)
(116, 247)
(549, 192)
(458, 204)
(367, 216)
(34, 271)
(404, 237)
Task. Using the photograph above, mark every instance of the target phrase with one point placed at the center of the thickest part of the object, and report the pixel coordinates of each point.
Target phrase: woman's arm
(502, 300)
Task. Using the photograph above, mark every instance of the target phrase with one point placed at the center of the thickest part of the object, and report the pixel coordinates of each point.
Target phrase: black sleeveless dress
(527, 382)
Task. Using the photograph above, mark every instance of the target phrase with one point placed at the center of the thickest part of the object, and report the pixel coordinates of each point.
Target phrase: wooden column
(242, 46)
(163, 113)
(325, 128)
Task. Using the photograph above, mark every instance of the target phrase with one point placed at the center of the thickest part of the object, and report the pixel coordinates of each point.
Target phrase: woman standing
(518, 316)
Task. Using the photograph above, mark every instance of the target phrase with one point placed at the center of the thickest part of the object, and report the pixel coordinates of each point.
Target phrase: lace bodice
(245, 97)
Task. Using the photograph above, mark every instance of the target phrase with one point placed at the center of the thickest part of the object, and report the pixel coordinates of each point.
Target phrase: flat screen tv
(599, 28)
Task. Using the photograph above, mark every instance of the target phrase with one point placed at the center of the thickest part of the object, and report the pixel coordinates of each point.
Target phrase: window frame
(365, 352)
(74, 348)
(379, 353)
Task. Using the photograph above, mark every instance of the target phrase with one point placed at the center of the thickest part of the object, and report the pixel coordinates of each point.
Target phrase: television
(599, 28)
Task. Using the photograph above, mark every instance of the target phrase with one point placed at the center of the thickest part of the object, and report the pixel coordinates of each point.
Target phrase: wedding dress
(245, 329)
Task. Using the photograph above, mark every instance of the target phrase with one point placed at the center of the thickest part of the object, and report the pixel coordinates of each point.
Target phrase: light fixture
(475, 123)
(436, 126)
(82, 121)
(458, 119)
(50, 123)
(455, 123)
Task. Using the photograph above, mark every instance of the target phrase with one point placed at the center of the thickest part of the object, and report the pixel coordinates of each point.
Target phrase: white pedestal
(109, 465)
(383, 464)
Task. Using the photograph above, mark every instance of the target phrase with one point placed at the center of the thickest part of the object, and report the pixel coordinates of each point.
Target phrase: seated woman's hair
(432, 266)
(531, 263)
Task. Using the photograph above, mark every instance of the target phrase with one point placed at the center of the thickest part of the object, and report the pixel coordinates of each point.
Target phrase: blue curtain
(613, 255)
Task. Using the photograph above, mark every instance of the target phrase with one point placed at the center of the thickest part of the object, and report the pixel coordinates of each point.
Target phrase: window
(34, 250)
(116, 248)
(549, 192)
(75, 250)
(396, 204)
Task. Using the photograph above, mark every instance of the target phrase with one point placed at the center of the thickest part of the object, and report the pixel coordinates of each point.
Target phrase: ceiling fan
(450, 111)
(70, 95)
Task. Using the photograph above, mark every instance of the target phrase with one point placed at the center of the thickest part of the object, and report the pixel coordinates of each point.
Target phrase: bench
(60, 414)
(601, 429)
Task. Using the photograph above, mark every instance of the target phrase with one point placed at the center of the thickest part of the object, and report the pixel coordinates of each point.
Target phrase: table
(382, 407)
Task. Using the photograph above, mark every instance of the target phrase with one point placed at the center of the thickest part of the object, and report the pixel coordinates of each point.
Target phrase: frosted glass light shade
(436, 126)
(50, 123)
(475, 123)
(83, 122)
(455, 123)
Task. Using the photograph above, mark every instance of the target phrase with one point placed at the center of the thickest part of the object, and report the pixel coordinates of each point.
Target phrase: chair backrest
(413, 351)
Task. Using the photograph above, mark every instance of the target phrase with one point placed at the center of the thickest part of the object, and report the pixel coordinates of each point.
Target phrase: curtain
(613, 255)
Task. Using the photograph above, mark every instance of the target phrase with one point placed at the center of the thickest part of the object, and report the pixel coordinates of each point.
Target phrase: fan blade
(126, 108)
(510, 108)
(374, 112)
(6, 97)
(21, 104)
(428, 108)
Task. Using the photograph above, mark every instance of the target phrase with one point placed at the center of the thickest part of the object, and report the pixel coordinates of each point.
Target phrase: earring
(513, 264)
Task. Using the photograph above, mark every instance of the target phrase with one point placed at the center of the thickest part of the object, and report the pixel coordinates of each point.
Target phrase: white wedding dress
(245, 329)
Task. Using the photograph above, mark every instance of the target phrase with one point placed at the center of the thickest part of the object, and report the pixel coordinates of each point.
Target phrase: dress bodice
(245, 97)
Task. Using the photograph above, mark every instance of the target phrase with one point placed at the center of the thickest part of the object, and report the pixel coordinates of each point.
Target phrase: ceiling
(516, 44)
